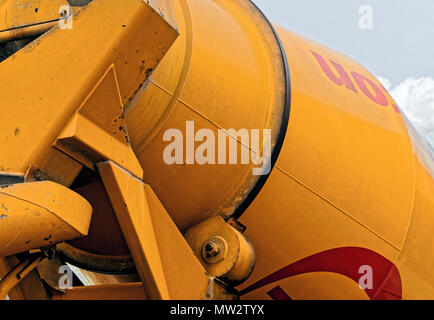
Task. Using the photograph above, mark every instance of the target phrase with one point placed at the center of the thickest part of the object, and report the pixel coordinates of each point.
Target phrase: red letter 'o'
(379, 96)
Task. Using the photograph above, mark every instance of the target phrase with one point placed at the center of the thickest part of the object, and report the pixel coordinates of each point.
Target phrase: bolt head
(213, 250)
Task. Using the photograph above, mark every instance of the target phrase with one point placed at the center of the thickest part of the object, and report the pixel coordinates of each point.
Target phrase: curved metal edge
(283, 129)
(95, 262)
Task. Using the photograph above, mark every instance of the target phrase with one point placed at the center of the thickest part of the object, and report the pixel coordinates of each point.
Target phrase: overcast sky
(399, 49)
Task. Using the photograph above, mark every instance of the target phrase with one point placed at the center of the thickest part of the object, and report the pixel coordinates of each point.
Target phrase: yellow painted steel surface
(143, 220)
(348, 174)
(224, 72)
(353, 186)
(40, 214)
(27, 18)
(19, 13)
(41, 101)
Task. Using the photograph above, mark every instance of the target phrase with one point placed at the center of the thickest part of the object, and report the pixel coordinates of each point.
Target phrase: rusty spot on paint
(17, 132)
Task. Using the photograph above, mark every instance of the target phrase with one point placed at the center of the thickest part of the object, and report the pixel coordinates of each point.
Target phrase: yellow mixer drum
(350, 177)
(343, 203)
(226, 71)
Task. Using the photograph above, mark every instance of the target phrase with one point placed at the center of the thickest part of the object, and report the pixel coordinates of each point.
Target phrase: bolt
(213, 250)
